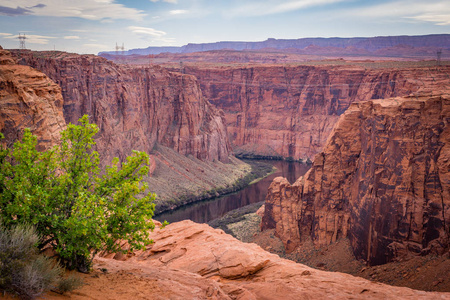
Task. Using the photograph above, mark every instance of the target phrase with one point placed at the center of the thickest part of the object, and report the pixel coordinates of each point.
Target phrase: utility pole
(181, 67)
(438, 54)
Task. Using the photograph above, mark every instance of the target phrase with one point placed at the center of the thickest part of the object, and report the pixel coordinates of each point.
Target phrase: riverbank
(223, 179)
(255, 191)
(239, 220)
(244, 155)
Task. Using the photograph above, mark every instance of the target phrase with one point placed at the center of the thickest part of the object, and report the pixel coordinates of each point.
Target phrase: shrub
(76, 207)
(22, 270)
(68, 284)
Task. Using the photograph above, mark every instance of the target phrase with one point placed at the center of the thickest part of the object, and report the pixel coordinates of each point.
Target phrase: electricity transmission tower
(22, 39)
(122, 49)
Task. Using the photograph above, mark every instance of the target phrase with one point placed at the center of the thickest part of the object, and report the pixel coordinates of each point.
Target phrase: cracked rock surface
(226, 268)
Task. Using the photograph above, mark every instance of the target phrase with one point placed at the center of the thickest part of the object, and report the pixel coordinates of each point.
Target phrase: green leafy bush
(76, 208)
(23, 271)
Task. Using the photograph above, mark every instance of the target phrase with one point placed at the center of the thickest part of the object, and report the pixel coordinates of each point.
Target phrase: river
(205, 211)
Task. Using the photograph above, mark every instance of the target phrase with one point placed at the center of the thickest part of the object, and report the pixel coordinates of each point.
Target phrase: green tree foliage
(76, 208)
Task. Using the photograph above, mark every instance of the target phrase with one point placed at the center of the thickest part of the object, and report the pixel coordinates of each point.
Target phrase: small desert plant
(70, 283)
(22, 270)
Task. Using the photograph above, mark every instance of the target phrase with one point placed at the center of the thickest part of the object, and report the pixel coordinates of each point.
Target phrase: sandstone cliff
(29, 99)
(289, 111)
(382, 180)
(195, 261)
(152, 110)
(135, 108)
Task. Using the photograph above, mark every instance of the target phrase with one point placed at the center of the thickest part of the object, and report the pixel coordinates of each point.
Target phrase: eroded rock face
(382, 180)
(245, 271)
(289, 111)
(29, 99)
(135, 108)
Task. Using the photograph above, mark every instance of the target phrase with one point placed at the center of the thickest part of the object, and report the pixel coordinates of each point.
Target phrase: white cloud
(269, 7)
(85, 9)
(146, 31)
(71, 37)
(33, 38)
(438, 19)
(5, 34)
(156, 37)
(178, 12)
(168, 1)
(432, 11)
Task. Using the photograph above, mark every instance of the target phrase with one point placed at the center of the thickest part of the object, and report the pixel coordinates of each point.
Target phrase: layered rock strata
(135, 108)
(382, 180)
(289, 111)
(29, 99)
(230, 269)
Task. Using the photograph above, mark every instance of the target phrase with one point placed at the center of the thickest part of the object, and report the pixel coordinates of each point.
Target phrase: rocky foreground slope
(195, 261)
(147, 109)
(290, 110)
(382, 180)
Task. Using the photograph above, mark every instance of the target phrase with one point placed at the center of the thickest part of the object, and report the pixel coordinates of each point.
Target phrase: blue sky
(90, 26)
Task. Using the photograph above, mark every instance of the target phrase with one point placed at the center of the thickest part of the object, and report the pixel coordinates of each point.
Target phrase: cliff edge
(195, 261)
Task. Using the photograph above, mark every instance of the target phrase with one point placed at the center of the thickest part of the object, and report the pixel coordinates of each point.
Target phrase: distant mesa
(361, 43)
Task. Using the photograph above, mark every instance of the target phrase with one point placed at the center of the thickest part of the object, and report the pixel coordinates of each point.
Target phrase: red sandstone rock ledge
(195, 261)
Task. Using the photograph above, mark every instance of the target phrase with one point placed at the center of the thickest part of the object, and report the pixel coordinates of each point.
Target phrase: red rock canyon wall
(289, 111)
(135, 108)
(29, 99)
(382, 180)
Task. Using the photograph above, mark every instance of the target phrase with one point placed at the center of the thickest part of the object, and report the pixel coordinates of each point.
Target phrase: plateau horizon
(94, 26)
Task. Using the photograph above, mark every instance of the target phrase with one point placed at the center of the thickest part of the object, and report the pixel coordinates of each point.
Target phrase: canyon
(382, 181)
(288, 111)
(152, 110)
(377, 135)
